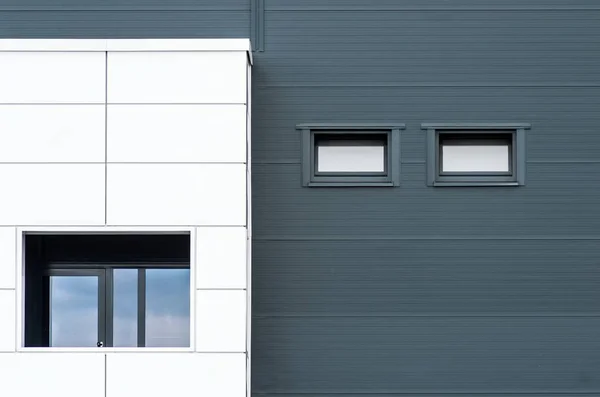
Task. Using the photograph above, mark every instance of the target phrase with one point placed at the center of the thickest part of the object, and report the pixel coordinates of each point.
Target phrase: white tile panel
(52, 77)
(176, 133)
(176, 194)
(8, 260)
(52, 133)
(176, 374)
(221, 257)
(7, 320)
(177, 77)
(48, 374)
(221, 320)
(52, 194)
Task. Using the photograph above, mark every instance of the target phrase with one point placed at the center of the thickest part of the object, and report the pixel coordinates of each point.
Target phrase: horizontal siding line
(432, 315)
(431, 85)
(563, 161)
(118, 8)
(423, 238)
(432, 392)
(428, 9)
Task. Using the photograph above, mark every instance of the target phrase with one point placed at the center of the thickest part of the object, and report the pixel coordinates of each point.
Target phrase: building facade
(423, 204)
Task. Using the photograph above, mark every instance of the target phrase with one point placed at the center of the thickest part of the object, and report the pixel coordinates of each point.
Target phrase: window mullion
(109, 302)
(141, 312)
(102, 308)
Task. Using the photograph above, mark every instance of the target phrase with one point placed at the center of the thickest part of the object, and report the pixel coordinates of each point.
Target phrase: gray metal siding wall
(421, 291)
(124, 18)
(408, 291)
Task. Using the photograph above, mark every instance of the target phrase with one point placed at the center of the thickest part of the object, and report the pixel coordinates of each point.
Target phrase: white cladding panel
(221, 257)
(176, 374)
(52, 194)
(8, 263)
(221, 320)
(176, 194)
(7, 322)
(52, 77)
(47, 374)
(52, 133)
(176, 133)
(177, 77)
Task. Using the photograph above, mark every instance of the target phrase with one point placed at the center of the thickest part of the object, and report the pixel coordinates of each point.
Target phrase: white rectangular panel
(52, 194)
(52, 133)
(175, 374)
(7, 321)
(176, 194)
(351, 158)
(475, 158)
(47, 374)
(221, 320)
(221, 257)
(177, 133)
(177, 77)
(8, 260)
(52, 77)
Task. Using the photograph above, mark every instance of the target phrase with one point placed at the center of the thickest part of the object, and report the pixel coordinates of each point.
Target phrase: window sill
(474, 184)
(351, 184)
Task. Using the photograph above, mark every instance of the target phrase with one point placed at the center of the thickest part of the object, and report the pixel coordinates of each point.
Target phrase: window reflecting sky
(74, 309)
(125, 301)
(167, 307)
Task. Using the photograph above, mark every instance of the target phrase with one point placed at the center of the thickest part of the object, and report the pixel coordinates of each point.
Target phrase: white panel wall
(52, 194)
(221, 257)
(177, 133)
(177, 77)
(43, 374)
(176, 194)
(52, 77)
(221, 320)
(140, 138)
(8, 260)
(52, 133)
(7, 321)
(181, 375)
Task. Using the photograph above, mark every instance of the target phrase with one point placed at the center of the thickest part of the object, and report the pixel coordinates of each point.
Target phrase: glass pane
(350, 158)
(125, 300)
(475, 158)
(73, 311)
(167, 307)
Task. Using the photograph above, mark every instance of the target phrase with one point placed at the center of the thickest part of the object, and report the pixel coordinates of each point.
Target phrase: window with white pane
(476, 154)
(351, 155)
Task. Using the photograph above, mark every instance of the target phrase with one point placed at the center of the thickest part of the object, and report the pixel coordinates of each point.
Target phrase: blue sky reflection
(74, 309)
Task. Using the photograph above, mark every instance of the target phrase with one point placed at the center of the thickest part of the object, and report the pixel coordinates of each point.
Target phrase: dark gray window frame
(516, 177)
(104, 272)
(312, 178)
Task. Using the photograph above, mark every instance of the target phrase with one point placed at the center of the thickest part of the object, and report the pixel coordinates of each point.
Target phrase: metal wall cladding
(413, 290)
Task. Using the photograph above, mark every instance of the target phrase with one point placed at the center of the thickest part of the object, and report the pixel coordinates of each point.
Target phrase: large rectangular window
(122, 293)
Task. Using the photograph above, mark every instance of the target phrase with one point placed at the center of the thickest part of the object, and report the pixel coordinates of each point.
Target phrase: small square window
(476, 154)
(350, 155)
